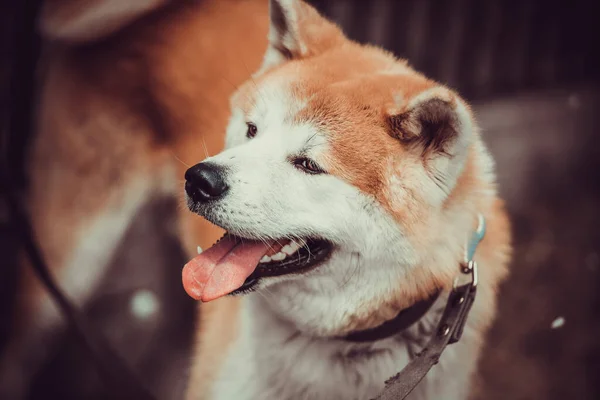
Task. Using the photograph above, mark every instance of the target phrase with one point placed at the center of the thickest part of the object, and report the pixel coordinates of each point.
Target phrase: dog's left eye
(252, 130)
(307, 165)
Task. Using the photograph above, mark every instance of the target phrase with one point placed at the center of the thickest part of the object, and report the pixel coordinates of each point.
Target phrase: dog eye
(252, 129)
(307, 165)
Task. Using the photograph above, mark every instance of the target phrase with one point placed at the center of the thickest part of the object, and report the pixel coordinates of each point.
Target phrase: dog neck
(293, 363)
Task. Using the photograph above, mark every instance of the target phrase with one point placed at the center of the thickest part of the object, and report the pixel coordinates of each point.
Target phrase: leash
(117, 375)
(449, 329)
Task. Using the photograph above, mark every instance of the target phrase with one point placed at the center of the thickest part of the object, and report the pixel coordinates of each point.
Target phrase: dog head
(347, 185)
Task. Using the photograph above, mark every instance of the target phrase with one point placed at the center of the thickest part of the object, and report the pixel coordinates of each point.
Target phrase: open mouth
(235, 265)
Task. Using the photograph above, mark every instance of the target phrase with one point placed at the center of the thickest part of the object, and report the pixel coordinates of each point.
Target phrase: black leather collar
(402, 321)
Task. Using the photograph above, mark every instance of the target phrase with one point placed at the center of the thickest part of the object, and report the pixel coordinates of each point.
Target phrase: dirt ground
(548, 160)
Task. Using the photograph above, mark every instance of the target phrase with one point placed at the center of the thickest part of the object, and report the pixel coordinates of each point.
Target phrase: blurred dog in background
(130, 92)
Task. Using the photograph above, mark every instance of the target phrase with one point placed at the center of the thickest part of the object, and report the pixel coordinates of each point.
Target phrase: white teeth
(199, 249)
(285, 251)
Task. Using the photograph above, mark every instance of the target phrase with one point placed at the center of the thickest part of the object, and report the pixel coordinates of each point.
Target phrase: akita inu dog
(349, 187)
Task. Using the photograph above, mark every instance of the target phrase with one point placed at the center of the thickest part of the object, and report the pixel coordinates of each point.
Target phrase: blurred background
(531, 70)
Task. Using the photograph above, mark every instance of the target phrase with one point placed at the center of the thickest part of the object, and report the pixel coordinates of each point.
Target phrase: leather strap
(402, 321)
(449, 331)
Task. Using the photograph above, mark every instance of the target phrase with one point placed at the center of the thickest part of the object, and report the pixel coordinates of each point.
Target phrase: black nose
(204, 182)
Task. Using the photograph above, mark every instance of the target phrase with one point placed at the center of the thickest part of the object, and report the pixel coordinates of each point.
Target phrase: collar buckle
(469, 269)
(465, 293)
(463, 296)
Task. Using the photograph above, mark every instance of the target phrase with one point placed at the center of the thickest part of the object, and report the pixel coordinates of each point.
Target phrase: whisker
(266, 243)
(266, 289)
(311, 138)
(309, 252)
(297, 251)
(263, 295)
(254, 83)
(353, 272)
(232, 85)
(205, 148)
(179, 159)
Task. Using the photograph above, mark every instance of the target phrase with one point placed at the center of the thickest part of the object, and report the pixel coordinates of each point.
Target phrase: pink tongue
(222, 268)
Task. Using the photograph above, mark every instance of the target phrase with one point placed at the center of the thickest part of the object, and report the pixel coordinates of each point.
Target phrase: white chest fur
(271, 360)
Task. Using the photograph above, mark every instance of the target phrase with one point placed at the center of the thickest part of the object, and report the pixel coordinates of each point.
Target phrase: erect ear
(297, 30)
(437, 126)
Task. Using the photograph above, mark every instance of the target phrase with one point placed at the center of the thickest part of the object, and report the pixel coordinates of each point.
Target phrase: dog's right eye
(307, 165)
(252, 130)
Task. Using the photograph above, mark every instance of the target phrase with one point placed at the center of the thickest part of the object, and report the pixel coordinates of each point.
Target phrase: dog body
(349, 187)
(129, 92)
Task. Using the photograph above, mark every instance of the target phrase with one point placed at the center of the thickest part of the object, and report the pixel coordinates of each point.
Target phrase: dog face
(280, 177)
(342, 153)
